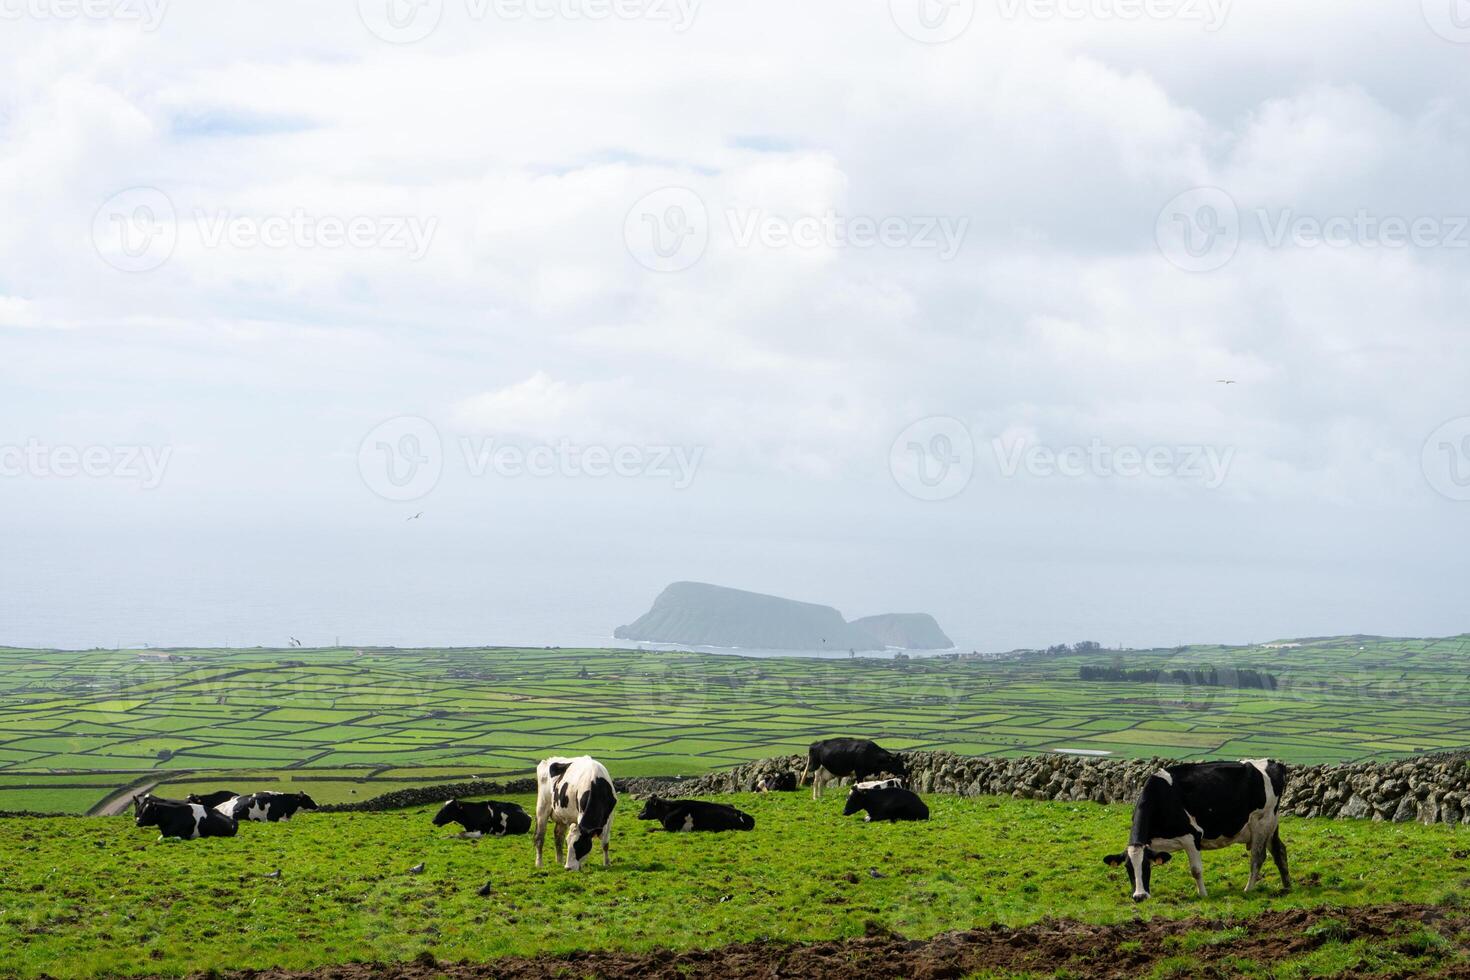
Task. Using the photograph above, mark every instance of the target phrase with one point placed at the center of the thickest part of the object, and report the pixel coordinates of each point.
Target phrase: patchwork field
(347, 724)
(94, 897)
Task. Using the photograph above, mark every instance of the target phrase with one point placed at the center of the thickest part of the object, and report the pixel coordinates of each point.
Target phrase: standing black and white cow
(834, 758)
(685, 815)
(576, 796)
(1201, 807)
(267, 807)
(176, 818)
(490, 817)
(891, 803)
(214, 799)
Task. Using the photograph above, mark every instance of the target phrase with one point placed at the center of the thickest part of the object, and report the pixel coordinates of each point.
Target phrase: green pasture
(201, 714)
(99, 897)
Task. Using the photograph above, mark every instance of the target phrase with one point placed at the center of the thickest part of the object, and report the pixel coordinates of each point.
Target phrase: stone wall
(1427, 789)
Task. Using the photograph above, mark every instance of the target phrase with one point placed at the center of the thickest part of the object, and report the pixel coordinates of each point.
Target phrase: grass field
(348, 724)
(99, 896)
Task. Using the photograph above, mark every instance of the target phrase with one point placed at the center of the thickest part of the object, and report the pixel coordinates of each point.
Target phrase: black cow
(1200, 807)
(175, 818)
(267, 807)
(490, 817)
(214, 799)
(776, 782)
(891, 804)
(856, 757)
(681, 815)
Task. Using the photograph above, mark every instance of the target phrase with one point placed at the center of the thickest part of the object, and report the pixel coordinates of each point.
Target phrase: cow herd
(215, 814)
(1191, 807)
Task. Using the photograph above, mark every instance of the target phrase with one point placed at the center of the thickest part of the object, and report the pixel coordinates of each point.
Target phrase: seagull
(295, 642)
(1222, 381)
(416, 869)
(274, 874)
(484, 891)
(416, 516)
(873, 873)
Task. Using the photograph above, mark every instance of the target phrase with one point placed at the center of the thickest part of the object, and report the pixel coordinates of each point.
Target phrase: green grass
(129, 713)
(82, 898)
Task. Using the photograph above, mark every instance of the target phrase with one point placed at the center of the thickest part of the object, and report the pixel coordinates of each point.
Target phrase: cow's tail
(811, 766)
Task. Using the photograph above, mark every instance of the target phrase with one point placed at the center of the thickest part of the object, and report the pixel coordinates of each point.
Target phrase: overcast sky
(894, 306)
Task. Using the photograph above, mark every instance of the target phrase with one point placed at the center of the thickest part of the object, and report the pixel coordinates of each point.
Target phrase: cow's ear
(1113, 860)
(1162, 858)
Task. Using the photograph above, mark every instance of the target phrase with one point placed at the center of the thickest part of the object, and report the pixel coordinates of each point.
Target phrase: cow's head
(579, 845)
(896, 765)
(147, 811)
(1139, 862)
(857, 799)
(654, 809)
(448, 813)
(304, 802)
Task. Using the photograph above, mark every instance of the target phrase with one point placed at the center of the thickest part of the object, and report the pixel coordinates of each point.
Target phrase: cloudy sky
(908, 305)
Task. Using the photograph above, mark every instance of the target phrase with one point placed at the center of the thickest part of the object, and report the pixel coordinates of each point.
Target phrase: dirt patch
(1191, 947)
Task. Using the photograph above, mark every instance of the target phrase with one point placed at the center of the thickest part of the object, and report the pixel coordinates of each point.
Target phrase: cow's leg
(540, 837)
(606, 839)
(1196, 866)
(1258, 847)
(1278, 854)
(559, 837)
(817, 783)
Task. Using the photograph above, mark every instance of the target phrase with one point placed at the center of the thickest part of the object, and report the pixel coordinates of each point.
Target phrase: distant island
(700, 614)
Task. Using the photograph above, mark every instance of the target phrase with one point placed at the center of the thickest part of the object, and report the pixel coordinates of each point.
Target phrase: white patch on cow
(1164, 775)
(1194, 823)
(471, 835)
(688, 822)
(227, 807)
(257, 811)
(879, 784)
(199, 814)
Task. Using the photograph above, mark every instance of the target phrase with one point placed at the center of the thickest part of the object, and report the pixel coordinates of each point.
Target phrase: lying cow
(776, 782)
(176, 818)
(577, 797)
(267, 807)
(685, 815)
(1201, 807)
(890, 803)
(834, 758)
(214, 799)
(490, 817)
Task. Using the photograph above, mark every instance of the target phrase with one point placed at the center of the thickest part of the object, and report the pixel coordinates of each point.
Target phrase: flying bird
(295, 642)
(416, 516)
(1222, 381)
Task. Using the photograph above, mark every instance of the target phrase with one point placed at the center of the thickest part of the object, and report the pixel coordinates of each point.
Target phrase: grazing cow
(1201, 807)
(267, 807)
(175, 818)
(776, 782)
(880, 784)
(834, 758)
(681, 815)
(214, 799)
(577, 797)
(891, 804)
(491, 817)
